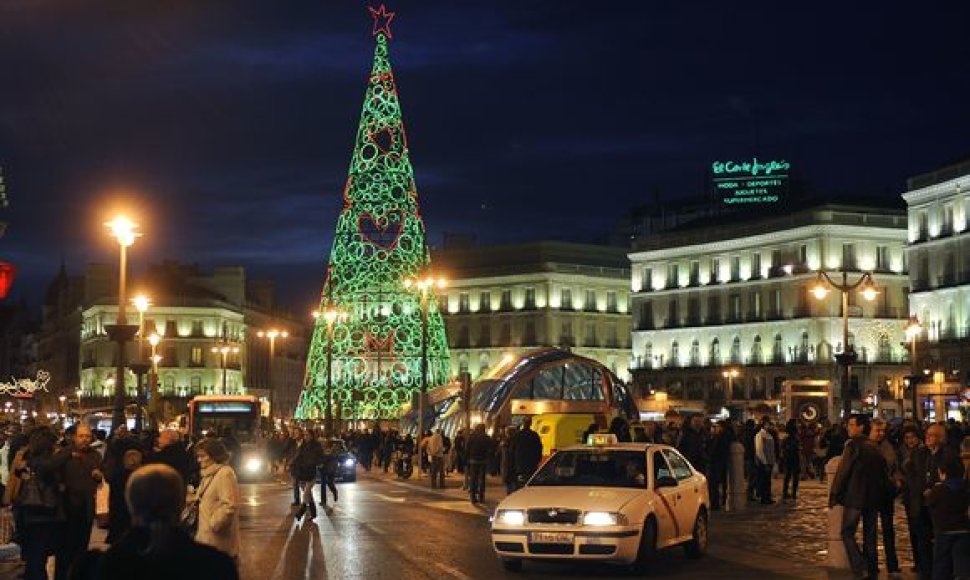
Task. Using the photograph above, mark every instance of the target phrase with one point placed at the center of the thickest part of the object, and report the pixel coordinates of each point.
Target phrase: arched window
(736, 350)
(715, 352)
(756, 351)
(803, 348)
(695, 353)
(675, 353)
(648, 355)
(778, 350)
(483, 363)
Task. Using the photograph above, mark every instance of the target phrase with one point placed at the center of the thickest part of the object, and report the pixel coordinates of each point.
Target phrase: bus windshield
(239, 416)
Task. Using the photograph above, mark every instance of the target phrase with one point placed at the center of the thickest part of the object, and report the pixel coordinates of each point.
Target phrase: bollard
(737, 494)
(837, 558)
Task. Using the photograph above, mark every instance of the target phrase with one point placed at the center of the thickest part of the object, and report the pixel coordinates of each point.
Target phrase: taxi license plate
(550, 538)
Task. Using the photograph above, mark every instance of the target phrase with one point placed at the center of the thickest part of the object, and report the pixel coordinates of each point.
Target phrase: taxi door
(665, 509)
(689, 494)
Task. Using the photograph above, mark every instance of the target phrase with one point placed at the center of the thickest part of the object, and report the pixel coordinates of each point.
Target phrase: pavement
(383, 527)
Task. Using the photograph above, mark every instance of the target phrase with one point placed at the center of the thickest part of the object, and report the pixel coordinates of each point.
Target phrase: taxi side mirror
(666, 481)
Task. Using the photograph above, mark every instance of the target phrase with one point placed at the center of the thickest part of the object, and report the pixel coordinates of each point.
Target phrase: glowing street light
(426, 286)
(867, 287)
(225, 350)
(730, 375)
(331, 315)
(271, 335)
(125, 232)
(913, 330)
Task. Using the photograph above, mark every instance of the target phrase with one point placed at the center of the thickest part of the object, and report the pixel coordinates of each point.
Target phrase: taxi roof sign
(601, 439)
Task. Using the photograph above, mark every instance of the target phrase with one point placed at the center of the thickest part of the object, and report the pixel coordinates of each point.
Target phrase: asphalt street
(382, 528)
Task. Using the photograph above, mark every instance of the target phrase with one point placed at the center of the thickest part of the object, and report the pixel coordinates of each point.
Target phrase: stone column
(737, 500)
(837, 558)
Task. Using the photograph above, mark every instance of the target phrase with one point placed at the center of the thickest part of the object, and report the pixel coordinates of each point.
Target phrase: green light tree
(376, 350)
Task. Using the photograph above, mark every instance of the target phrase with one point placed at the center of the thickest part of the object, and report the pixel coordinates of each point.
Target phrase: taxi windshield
(593, 467)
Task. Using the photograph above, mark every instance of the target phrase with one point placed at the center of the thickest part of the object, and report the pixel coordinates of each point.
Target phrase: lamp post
(913, 330)
(225, 350)
(848, 357)
(425, 287)
(331, 315)
(271, 335)
(140, 366)
(153, 341)
(123, 229)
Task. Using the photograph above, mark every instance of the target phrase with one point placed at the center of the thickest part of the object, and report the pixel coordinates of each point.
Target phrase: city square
(605, 291)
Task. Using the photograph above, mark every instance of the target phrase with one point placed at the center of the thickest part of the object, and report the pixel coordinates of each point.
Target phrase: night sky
(227, 125)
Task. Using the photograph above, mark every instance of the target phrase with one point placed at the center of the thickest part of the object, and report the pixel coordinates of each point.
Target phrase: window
(848, 256)
(485, 302)
(775, 302)
(197, 356)
(483, 363)
(735, 268)
(506, 300)
(756, 304)
(776, 259)
(612, 336)
(197, 328)
(695, 273)
(505, 334)
(735, 311)
(660, 467)
(171, 330)
(485, 336)
(462, 339)
(169, 358)
(590, 336)
(778, 350)
(646, 316)
(646, 280)
(530, 298)
(947, 219)
(566, 299)
(590, 302)
(885, 349)
(715, 270)
(715, 352)
(803, 254)
(673, 275)
(695, 353)
(755, 266)
(566, 334)
(882, 258)
(673, 313)
(713, 310)
(611, 301)
(694, 310)
(756, 351)
(195, 383)
(463, 364)
(463, 302)
(675, 353)
(736, 350)
(678, 465)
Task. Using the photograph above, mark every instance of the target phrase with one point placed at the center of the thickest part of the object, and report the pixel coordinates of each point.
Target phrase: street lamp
(426, 287)
(331, 315)
(867, 287)
(124, 231)
(153, 341)
(225, 350)
(140, 368)
(730, 375)
(272, 334)
(913, 330)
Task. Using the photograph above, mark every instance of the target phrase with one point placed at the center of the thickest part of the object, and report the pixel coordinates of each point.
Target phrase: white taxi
(606, 501)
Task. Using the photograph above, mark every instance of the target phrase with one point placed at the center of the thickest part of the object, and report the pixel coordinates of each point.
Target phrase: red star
(382, 20)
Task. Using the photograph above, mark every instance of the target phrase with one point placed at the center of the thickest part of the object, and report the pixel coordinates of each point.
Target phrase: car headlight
(601, 519)
(511, 517)
(254, 464)
(349, 462)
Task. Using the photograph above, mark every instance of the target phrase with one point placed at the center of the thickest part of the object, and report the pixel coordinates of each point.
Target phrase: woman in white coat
(218, 497)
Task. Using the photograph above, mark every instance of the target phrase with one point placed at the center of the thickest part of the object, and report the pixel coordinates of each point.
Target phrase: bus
(240, 414)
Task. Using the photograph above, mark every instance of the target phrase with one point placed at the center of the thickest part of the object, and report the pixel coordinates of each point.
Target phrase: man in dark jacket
(479, 448)
(172, 453)
(526, 450)
(82, 474)
(860, 486)
(693, 443)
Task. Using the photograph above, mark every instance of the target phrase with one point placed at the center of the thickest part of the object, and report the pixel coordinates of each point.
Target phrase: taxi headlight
(601, 519)
(511, 517)
(253, 464)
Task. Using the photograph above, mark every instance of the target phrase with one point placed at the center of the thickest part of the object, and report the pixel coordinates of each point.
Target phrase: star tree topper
(382, 20)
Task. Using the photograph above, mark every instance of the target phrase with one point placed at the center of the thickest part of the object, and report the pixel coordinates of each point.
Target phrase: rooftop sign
(754, 181)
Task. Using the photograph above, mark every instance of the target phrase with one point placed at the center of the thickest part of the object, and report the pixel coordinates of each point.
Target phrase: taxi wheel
(697, 545)
(648, 547)
(512, 564)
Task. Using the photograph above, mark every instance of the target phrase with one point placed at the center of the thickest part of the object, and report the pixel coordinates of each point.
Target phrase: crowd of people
(165, 500)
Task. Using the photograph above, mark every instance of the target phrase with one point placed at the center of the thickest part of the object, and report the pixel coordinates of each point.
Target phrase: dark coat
(526, 450)
(79, 485)
(178, 458)
(948, 502)
(308, 457)
(479, 447)
(186, 559)
(862, 480)
(693, 446)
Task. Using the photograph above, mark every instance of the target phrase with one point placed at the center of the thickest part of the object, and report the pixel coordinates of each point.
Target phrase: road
(381, 528)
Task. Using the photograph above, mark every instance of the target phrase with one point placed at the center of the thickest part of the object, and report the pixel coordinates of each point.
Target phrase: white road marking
(389, 498)
(452, 571)
(457, 506)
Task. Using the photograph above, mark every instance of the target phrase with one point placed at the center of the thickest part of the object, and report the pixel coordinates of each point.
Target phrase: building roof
(744, 224)
(945, 173)
(532, 257)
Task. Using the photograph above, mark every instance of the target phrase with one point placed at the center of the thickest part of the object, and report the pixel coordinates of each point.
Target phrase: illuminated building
(193, 312)
(505, 299)
(724, 294)
(939, 259)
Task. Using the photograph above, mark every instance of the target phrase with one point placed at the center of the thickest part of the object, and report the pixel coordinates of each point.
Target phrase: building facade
(505, 299)
(195, 314)
(717, 298)
(938, 207)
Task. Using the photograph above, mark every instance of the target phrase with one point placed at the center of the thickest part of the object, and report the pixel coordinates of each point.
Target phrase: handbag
(38, 496)
(189, 520)
(102, 496)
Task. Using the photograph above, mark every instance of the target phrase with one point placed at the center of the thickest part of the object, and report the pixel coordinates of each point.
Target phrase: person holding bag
(218, 499)
(40, 501)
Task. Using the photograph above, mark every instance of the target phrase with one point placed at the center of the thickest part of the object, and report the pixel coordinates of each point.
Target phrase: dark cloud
(230, 123)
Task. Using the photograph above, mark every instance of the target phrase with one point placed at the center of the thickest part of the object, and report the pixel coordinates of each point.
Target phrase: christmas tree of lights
(375, 347)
